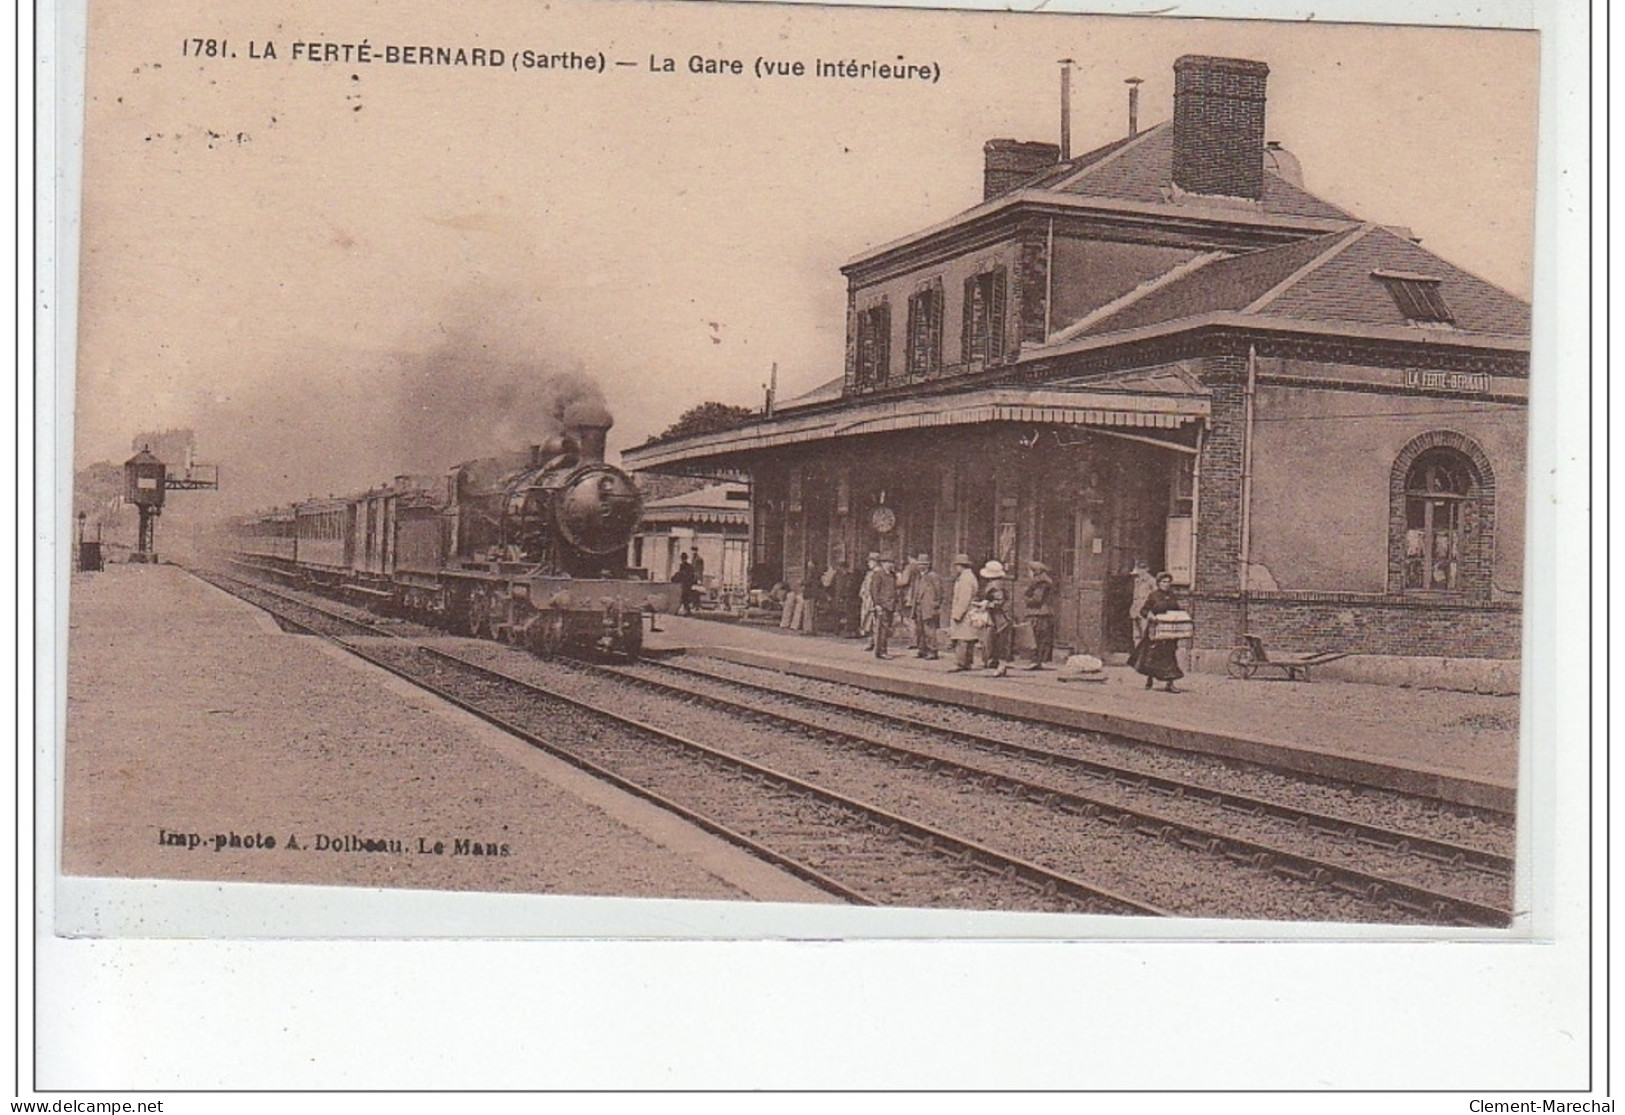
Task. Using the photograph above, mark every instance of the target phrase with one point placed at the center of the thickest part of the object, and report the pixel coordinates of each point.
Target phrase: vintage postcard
(762, 471)
(921, 460)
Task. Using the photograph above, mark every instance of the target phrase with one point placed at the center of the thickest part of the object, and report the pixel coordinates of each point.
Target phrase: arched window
(1438, 492)
(1442, 503)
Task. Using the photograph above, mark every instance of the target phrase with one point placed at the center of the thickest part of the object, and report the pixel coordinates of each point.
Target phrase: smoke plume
(480, 379)
(467, 397)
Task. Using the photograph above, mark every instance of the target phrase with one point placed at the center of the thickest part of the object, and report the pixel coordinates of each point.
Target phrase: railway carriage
(324, 529)
(268, 539)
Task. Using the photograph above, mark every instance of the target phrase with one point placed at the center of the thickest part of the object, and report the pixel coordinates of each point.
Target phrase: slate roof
(823, 393)
(1342, 288)
(1231, 283)
(1327, 280)
(1141, 170)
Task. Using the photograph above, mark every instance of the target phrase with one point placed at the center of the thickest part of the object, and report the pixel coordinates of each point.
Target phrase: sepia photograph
(546, 463)
(752, 471)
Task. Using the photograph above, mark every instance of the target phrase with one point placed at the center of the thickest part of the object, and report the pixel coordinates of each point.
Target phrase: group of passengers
(974, 609)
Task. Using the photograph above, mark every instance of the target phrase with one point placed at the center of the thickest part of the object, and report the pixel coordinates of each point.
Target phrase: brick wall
(1356, 624)
(1007, 163)
(1219, 125)
(1031, 287)
(1218, 541)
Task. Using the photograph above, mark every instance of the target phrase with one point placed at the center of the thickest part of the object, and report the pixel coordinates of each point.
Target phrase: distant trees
(707, 418)
(172, 446)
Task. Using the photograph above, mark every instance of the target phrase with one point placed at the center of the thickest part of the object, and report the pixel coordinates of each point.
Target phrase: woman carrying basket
(1156, 657)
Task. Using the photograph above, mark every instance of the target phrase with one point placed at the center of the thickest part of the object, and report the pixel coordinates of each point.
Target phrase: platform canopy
(1169, 403)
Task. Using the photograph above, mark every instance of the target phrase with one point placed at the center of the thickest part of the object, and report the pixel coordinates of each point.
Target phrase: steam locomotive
(529, 548)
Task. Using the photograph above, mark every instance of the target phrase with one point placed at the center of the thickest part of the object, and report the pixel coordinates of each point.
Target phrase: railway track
(849, 846)
(842, 844)
(296, 611)
(1097, 815)
(1479, 831)
(700, 682)
(1436, 879)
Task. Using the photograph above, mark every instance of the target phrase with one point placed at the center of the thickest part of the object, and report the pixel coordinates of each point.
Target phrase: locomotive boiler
(525, 547)
(559, 508)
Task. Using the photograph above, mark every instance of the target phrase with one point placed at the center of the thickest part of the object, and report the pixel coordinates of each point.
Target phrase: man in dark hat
(685, 578)
(925, 606)
(883, 595)
(866, 602)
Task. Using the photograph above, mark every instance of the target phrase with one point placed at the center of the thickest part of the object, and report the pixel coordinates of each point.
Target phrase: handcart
(1245, 661)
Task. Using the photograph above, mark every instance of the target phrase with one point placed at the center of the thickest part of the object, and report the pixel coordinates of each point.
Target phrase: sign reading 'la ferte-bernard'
(1478, 382)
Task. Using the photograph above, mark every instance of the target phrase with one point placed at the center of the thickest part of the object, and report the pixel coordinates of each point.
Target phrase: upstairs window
(925, 332)
(983, 338)
(1417, 296)
(874, 345)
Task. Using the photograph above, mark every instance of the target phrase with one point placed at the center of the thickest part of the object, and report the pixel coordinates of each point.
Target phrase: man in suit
(964, 634)
(883, 602)
(925, 606)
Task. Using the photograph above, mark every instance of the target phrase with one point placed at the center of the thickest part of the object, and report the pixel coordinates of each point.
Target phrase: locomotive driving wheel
(485, 613)
(1241, 664)
(474, 616)
(548, 634)
(632, 637)
(504, 627)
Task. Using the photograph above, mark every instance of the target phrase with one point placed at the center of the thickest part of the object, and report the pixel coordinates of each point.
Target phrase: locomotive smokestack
(588, 422)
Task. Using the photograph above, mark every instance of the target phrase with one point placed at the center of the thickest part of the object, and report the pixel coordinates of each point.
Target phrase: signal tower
(146, 479)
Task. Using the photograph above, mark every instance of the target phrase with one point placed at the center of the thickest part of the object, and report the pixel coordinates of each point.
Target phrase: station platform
(204, 743)
(1460, 747)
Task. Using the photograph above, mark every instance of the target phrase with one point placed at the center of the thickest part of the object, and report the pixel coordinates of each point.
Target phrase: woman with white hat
(996, 599)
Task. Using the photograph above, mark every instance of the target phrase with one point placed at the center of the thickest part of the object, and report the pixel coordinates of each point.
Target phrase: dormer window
(1417, 296)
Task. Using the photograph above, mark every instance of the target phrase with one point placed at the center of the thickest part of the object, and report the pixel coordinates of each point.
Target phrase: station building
(713, 522)
(1167, 349)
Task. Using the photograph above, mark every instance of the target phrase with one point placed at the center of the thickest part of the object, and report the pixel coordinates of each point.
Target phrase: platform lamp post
(88, 554)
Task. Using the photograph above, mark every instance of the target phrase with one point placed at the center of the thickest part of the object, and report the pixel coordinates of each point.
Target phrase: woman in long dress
(1158, 659)
(995, 596)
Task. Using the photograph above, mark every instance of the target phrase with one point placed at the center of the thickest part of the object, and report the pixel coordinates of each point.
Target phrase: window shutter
(882, 342)
(933, 360)
(912, 356)
(995, 317)
(967, 339)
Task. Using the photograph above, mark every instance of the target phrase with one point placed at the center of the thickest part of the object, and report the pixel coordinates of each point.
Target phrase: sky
(337, 272)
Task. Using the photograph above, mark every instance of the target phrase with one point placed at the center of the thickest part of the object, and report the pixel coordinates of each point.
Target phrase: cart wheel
(1241, 664)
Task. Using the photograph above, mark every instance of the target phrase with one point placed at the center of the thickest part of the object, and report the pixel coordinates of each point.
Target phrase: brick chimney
(1219, 126)
(1010, 162)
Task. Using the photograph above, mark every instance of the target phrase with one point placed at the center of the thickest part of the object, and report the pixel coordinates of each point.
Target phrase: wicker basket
(1172, 625)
